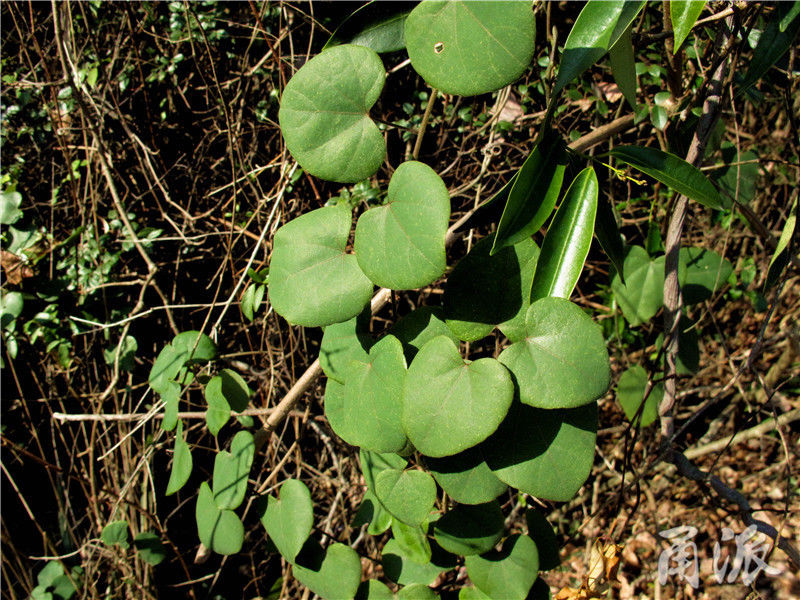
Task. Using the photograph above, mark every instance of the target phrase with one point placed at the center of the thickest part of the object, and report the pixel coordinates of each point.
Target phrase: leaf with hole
(219, 530)
(343, 342)
(630, 393)
(289, 518)
(486, 290)
(313, 281)
(673, 172)
(507, 573)
(562, 362)
(117, 533)
(642, 294)
(231, 471)
(466, 530)
(181, 463)
(401, 245)
(407, 495)
(331, 573)
(568, 240)
(544, 453)
(450, 404)
(469, 48)
(324, 114)
(533, 194)
(466, 477)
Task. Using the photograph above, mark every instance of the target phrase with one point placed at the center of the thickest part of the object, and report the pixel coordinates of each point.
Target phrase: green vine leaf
(117, 533)
(469, 48)
(544, 453)
(376, 25)
(419, 327)
(407, 495)
(332, 574)
(371, 511)
(219, 530)
(224, 392)
(343, 342)
(542, 533)
(466, 477)
(630, 393)
(181, 463)
(701, 272)
(562, 362)
(509, 573)
(400, 568)
(401, 245)
(149, 548)
(775, 40)
(467, 530)
(450, 405)
(642, 294)
(289, 518)
(683, 15)
(313, 282)
(324, 114)
(231, 471)
(413, 541)
(568, 240)
(189, 347)
(486, 290)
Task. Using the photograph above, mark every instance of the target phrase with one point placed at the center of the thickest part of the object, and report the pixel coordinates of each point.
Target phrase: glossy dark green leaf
(596, 30)
(466, 529)
(116, 532)
(544, 453)
(420, 326)
(623, 66)
(642, 294)
(672, 171)
(533, 194)
(376, 25)
(324, 114)
(739, 180)
(219, 530)
(630, 393)
(466, 477)
(780, 258)
(149, 548)
(401, 245)
(313, 282)
(469, 48)
(562, 362)
(343, 342)
(701, 273)
(568, 240)
(181, 463)
(683, 14)
(331, 573)
(289, 518)
(450, 405)
(773, 43)
(607, 232)
(231, 471)
(407, 495)
(508, 573)
(485, 290)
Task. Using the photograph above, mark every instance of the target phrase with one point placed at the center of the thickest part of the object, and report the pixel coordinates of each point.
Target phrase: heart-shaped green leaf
(509, 573)
(218, 530)
(181, 463)
(372, 400)
(289, 518)
(374, 590)
(371, 511)
(420, 326)
(332, 574)
(544, 453)
(642, 294)
(466, 477)
(469, 48)
(701, 273)
(533, 194)
(401, 245)
(413, 541)
(563, 361)
(170, 394)
(149, 548)
(116, 532)
(471, 593)
(542, 533)
(450, 405)
(400, 568)
(568, 239)
(324, 114)
(343, 342)
(231, 470)
(189, 347)
(224, 392)
(673, 172)
(467, 530)
(373, 463)
(313, 281)
(416, 591)
(485, 290)
(408, 495)
(630, 393)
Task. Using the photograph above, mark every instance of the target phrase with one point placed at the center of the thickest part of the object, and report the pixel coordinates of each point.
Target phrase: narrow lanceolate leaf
(773, 43)
(469, 48)
(607, 232)
(683, 14)
(623, 66)
(568, 240)
(780, 257)
(289, 518)
(181, 463)
(789, 15)
(325, 119)
(596, 30)
(671, 171)
(231, 471)
(450, 405)
(401, 245)
(408, 495)
(533, 194)
(313, 282)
